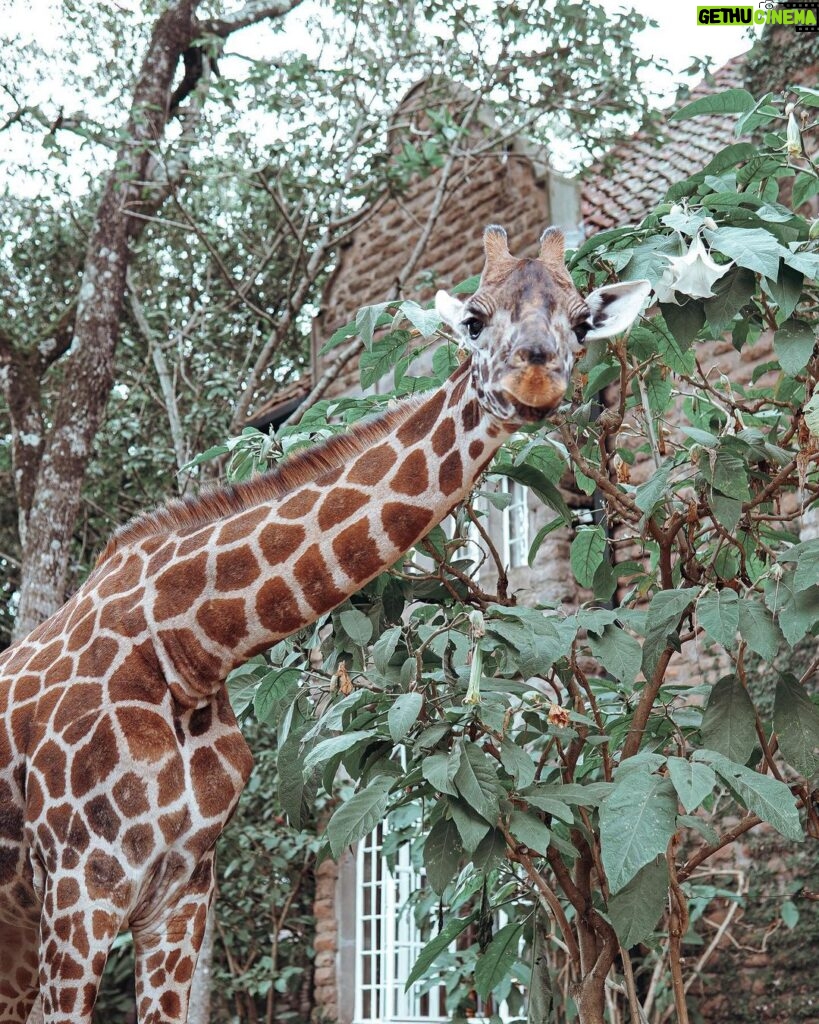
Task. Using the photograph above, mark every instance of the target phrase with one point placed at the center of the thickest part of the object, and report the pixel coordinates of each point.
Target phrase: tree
(563, 774)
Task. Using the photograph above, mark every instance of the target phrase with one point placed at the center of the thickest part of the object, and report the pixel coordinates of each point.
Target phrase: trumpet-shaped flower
(693, 274)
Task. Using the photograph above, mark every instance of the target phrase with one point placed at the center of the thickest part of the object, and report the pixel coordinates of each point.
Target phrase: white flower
(693, 274)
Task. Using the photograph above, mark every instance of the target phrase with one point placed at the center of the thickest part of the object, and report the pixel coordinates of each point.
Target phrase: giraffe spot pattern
(420, 423)
(476, 449)
(147, 734)
(277, 608)
(280, 542)
(451, 474)
(299, 505)
(179, 586)
(372, 466)
(443, 437)
(102, 818)
(316, 582)
(96, 760)
(130, 794)
(223, 620)
(236, 569)
(404, 524)
(412, 478)
(340, 504)
(357, 553)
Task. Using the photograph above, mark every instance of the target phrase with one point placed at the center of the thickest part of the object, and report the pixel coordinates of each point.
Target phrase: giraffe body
(120, 757)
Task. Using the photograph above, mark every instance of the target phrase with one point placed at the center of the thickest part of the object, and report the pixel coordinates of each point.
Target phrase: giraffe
(120, 758)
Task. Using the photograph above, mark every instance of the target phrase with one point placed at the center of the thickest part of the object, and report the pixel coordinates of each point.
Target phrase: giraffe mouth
(534, 392)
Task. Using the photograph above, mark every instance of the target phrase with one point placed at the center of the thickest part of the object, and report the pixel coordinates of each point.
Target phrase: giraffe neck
(218, 593)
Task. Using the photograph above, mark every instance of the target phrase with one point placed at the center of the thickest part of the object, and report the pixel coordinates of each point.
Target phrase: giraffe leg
(18, 972)
(167, 951)
(75, 936)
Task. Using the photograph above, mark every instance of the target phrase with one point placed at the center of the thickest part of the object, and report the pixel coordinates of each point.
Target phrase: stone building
(360, 949)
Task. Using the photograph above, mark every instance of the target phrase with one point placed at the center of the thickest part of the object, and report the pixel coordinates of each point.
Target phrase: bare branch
(251, 14)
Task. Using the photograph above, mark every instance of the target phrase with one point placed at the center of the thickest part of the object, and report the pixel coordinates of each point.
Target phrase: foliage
(565, 761)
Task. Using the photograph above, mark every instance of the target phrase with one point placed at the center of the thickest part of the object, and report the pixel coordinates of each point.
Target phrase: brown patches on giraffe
(411, 478)
(280, 542)
(96, 760)
(224, 621)
(179, 586)
(277, 608)
(443, 438)
(404, 524)
(236, 569)
(130, 795)
(373, 466)
(419, 425)
(451, 474)
(357, 552)
(340, 504)
(315, 581)
(299, 505)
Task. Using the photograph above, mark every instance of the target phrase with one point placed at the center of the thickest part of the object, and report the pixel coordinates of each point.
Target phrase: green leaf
(517, 763)
(639, 905)
(692, 780)
(729, 101)
(442, 941)
(537, 482)
(758, 629)
(498, 959)
(771, 799)
(440, 769)
(357, 626)
(471, 827)
(377, 361)
(684, 322)
(718, 614)
(655, 490)
(587, 552)
(618, 653)
(794, 343)
(732, 292)
(358, 816)
(590, 794)
(729, 721)
(796, 722)
(297, 794)
(385, 647)
(786, 290)
(477, 783)
(443, 851)
(664, 614)
(530, 831)
(427, 321)
(789, 914)
(636, 823)
(754, 248)
(276, 690)
(403, 714)
(805, 186)
(329, 748)
(368, 318)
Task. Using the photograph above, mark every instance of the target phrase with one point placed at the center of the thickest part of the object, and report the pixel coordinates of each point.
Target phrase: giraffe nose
(537, 354)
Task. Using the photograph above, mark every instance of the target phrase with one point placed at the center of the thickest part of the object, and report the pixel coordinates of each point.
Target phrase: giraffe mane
(292, 472)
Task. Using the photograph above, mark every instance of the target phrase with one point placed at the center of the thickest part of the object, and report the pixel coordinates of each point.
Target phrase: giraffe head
(527, 323)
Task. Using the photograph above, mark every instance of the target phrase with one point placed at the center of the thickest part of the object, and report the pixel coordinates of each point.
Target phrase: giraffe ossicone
(120, 757)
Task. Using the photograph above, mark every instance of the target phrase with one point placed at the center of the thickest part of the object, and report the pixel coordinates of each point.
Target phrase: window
(388, 940)
(515, 524)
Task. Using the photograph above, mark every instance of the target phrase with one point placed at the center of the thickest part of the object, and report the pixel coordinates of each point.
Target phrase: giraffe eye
(581, 330)
(473, 326)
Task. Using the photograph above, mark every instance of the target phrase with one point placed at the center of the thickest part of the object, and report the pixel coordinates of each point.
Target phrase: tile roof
(636, 174)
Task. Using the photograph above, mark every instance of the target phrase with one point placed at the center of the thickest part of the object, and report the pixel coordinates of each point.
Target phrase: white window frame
(388, 940)
(515, 520)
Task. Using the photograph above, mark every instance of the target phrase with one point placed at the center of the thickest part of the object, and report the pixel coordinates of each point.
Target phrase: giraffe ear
(614, 307)
(450, 310)
(495, 245)
(552, 246)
